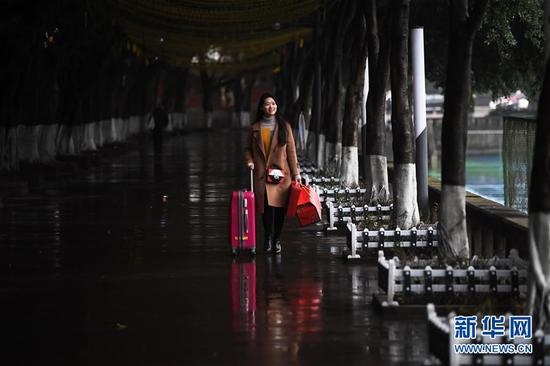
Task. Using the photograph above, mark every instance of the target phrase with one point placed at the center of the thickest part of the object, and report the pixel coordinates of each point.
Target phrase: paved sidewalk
(104, 270)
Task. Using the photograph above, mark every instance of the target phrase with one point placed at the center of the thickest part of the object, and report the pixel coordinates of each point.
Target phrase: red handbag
(307, 206)
(295, 189)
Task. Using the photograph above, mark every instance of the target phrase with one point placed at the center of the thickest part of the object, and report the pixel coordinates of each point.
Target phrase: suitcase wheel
(234, 252)
(253, 251)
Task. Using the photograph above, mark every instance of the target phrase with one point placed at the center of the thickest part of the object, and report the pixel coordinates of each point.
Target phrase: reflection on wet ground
(129, 264)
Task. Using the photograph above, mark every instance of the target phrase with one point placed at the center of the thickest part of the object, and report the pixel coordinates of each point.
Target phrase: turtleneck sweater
(267, 125)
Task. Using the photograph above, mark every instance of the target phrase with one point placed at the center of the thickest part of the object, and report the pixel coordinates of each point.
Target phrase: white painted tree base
(170, 126)
(65, 141)
(330, 148)
(135, 123)
(333, 158)
(306, 134)
(77, 135)
(539, 252)
(112, 131)
(452, 222)
(339, 154)
(88, 141)
(376, 174)
(12, 149)
(9, 156)
(105, 132)
(125, 129)
(350, 166)
(43, 143)
(321, 152)
(245, 119)
(99, 138)
(405, 205)
(27, 143)
(119, 129)
(311, 154)
(46, 143)
(301, 133)
(118, 126)
(208, 119)
(177, 120)
(3, 147)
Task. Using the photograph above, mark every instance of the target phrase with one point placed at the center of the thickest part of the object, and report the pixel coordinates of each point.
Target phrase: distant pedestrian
(160, 118)
(270, 151)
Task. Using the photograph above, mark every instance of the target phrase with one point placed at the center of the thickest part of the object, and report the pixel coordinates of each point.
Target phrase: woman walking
(270, 151)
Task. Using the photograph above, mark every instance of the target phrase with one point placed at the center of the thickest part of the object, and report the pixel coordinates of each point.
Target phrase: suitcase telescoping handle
(251, 180)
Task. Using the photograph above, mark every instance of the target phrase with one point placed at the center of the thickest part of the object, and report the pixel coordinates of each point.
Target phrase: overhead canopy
(214, 34)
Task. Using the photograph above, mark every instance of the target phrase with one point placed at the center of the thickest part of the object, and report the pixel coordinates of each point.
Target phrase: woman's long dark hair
(278, 117)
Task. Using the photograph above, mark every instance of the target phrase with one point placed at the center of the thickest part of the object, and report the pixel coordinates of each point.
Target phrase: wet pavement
(129, 264)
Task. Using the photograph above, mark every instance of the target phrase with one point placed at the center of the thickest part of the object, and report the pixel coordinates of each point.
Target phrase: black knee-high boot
(268, 220)
(278, 221)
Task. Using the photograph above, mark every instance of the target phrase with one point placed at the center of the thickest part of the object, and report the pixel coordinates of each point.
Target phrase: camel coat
(283, 157)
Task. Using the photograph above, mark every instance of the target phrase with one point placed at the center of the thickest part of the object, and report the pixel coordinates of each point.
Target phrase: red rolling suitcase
(243, 220)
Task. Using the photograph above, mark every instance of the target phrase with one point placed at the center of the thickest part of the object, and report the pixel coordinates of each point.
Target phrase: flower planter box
(382, 239)
(441, 343)
(311, 179)
(405, 280)
(308, 168)
(341, 215)
(339, 194)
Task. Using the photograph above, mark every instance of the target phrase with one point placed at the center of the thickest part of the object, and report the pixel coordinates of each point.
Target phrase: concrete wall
(493, 229)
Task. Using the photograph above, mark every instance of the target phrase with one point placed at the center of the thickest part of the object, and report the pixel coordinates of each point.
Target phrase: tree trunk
(303, 84)
(8, 110)
(27, 129)
(304, 57)
(375, 161)
(294, 63)
(314, 142)
(539, 209)
(88, 143)
(302, 104)
(404, 182)
(336, 90)
(354, 95)
(546, 30)
(333, 152)
(454, 127)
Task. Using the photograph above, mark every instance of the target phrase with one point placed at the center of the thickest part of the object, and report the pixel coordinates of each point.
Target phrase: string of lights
(211, 33)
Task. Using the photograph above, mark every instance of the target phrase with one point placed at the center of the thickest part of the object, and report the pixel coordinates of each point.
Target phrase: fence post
(391, 281)
(353, 238)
